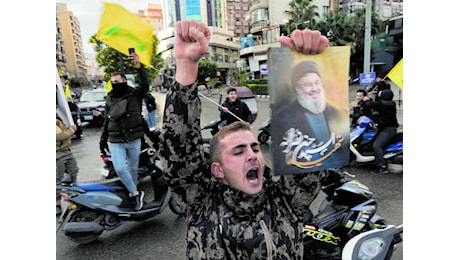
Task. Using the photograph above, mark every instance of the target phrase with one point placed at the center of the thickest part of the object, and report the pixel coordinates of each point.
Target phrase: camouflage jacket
(224, 223)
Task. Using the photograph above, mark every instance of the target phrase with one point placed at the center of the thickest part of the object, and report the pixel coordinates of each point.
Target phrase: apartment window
(325, 10)
(193, 10)
(259, 17)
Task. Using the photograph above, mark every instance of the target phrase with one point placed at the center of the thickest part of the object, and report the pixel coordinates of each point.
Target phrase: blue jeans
(152, 118)
(125, 158)
(382, 138)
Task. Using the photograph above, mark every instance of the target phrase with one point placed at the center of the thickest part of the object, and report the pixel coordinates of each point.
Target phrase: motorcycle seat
(114, 183)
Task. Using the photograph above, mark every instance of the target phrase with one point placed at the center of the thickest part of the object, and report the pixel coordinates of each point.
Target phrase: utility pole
(367, 37)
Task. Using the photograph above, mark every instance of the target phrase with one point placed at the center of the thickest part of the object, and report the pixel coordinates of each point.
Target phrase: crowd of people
(382, 110)
(233, 208)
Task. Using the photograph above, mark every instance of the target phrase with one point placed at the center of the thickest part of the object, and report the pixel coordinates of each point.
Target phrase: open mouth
(253, 175)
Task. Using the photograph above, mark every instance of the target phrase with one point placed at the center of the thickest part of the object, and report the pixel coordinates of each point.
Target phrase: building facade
(223, 45)
(61, 63)
(153, 15)
(69, 27)
(242, 30)
(267, 19)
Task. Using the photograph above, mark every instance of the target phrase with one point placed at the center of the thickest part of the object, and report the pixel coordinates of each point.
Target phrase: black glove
(104, 147)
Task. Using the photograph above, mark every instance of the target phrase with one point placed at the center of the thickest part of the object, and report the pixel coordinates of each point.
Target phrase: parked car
(89, 101)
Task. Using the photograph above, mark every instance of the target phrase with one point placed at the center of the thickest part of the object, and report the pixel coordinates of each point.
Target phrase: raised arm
(191, 43)
(181, 150)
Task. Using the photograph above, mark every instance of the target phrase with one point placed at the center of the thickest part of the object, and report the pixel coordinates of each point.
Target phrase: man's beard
(314, 107)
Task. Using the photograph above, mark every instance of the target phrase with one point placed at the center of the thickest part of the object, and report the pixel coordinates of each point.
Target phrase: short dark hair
(122, 75)
(362, 91)
(230, 89)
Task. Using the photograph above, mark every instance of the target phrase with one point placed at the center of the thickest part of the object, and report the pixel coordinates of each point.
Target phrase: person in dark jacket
(234, 209)
(387, 127)
(123, 128)
(379, 85)
(234, 105)
(357, 110)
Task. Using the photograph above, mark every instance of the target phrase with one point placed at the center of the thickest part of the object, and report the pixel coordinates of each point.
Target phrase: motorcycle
(103, 205)
(361, 139)
(213, 126)
(347, 211)
(100, 205)
(265, 131)
(375, 244)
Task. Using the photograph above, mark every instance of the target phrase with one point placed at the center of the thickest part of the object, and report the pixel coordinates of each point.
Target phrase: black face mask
(118, 89)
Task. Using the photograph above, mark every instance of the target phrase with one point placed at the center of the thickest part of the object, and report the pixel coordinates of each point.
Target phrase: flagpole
(212, 101)
(220, 106)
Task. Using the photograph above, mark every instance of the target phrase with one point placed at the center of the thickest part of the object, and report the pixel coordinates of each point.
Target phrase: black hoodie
(239, 108)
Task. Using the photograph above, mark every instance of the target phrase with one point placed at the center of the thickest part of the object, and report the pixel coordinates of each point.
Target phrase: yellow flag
(121, 30)
(68, 93)
(396, 74)
(108, 87)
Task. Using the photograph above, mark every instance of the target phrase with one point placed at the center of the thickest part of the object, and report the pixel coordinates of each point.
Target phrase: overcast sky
(89, 13)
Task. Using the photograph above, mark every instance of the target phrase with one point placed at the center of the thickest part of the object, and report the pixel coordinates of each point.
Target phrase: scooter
(361, 139)
(213, 126)
(148, 159)
(265, 131)
(348, 210)
(103, 205)
(377, 244)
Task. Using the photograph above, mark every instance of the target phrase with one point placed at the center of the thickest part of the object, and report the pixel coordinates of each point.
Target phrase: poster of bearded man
(310, 111)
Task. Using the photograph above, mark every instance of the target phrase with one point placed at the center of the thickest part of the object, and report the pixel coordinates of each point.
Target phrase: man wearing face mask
(123, 128)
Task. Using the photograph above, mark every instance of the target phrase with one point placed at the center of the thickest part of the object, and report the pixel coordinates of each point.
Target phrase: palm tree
(302, 14)
(359, 18)
(340, 29)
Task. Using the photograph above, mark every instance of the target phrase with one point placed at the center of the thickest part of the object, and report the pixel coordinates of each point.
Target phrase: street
(163, 237)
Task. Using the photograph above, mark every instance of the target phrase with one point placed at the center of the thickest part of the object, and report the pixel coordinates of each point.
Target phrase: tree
(339, 29)
(359, 19)
(343, 30)
(206, 70)
(112, 60)
(302, 14)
